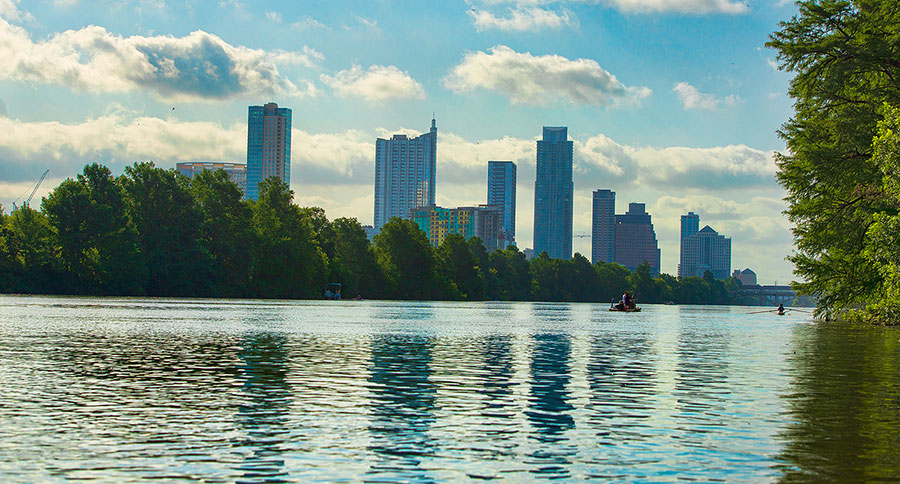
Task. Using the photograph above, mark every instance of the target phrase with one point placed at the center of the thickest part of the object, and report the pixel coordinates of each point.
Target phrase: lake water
(250, 391)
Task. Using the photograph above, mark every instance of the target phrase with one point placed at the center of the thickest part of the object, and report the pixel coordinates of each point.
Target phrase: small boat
(625, 310)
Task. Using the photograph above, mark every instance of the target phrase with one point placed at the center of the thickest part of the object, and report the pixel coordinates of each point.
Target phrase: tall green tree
(509, 275)
(846, 59)
(225, 233)
(407, 261)
(286, 261)
(353, 261)
(29, 243)
(98, 242)
(161, 206)
(460, 265)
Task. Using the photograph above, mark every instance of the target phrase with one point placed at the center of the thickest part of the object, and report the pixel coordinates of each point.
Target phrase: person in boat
(781, 309)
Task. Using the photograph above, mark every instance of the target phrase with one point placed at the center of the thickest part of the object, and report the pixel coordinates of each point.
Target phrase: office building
(405, 172)
(703, 250)
(746, 276)
(603, 227)
(636, 240)
(237, 172)
(502, 194)
(483, 221)
(553, 194)
(268, 146)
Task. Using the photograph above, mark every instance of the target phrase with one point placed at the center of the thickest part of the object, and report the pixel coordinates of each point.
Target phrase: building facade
(603, 227)
(268, 146)
(746, 276)
(553, 194)
(405, 173)
(502, 194)
(237, 172)
(704, 251)
(636, 240)
(483, 221)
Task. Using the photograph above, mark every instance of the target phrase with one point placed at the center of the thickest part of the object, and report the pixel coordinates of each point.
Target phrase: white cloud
(377, 83)
(522, 19)
(273, 16)
(200, 66)
(681, 6)
(772, 63)
(690, 7)
(529, 79)
(692, 99)
(307, 23)
(9, 10)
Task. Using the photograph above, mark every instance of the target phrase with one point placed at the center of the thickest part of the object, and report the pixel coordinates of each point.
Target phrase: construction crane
(33, 190)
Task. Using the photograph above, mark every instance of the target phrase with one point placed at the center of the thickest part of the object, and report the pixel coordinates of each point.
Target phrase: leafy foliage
(846, 57)
(154, 232)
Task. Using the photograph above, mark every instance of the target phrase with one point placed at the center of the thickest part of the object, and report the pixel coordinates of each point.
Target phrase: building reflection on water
(401, 407)
(264, 408)
(549, 409)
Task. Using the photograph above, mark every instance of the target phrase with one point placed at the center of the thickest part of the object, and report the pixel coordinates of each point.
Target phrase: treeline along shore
(156, 232)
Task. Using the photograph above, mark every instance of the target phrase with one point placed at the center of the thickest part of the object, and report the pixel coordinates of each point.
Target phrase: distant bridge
(764, 295)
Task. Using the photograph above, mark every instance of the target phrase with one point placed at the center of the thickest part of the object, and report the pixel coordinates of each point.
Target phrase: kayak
(635, 310)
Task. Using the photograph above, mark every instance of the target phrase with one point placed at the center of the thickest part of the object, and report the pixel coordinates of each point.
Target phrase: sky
(671, 103)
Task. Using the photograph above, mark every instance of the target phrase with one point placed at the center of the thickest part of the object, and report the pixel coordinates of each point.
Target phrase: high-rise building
(553, 194)
(746, 276)
(405, 172)
(237, 172)
(703, 251)
(268, 146)
(438, 222)
(636, 239)
(603, 227)
(502, 194)
(690, 225)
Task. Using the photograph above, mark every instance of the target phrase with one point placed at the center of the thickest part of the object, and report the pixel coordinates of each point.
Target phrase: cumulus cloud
(522, 19)
(377, 83)
(528, 79)
(273, 16)
(693, 99)
(199, 66)
(723, 167)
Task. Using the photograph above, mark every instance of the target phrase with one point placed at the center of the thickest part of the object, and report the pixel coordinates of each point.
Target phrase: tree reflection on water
(845, 405)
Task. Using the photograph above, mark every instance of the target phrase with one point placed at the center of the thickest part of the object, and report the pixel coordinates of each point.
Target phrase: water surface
(224, 390)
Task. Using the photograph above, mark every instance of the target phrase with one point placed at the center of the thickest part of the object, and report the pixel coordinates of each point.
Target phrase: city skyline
(680, 121)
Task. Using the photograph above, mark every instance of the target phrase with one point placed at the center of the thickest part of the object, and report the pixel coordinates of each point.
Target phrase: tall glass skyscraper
(553, 194)
(690, 225)
(268, 146)
(502, 194)
(603, 227)
(703, 250)
(405, 172)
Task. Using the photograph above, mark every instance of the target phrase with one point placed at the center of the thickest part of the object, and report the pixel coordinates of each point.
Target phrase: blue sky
(673, 103)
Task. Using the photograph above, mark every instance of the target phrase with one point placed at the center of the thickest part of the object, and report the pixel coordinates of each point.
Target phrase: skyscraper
(703, 250)
(690, 225)
(636, 239)
(405, 172)
(553, 194)
(603, 227)
(268, 146)
(502, 193)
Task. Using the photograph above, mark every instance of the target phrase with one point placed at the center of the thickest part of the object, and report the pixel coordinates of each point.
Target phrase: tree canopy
(846, 59)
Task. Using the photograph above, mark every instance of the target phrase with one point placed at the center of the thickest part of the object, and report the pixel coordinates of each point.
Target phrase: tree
(167, 222)
(460, 266)
(353, 261)
(225, 232)
(97, 240)
(28, 243)
(509, 275)
(286, 261)
(407, 261)
(845, 57)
